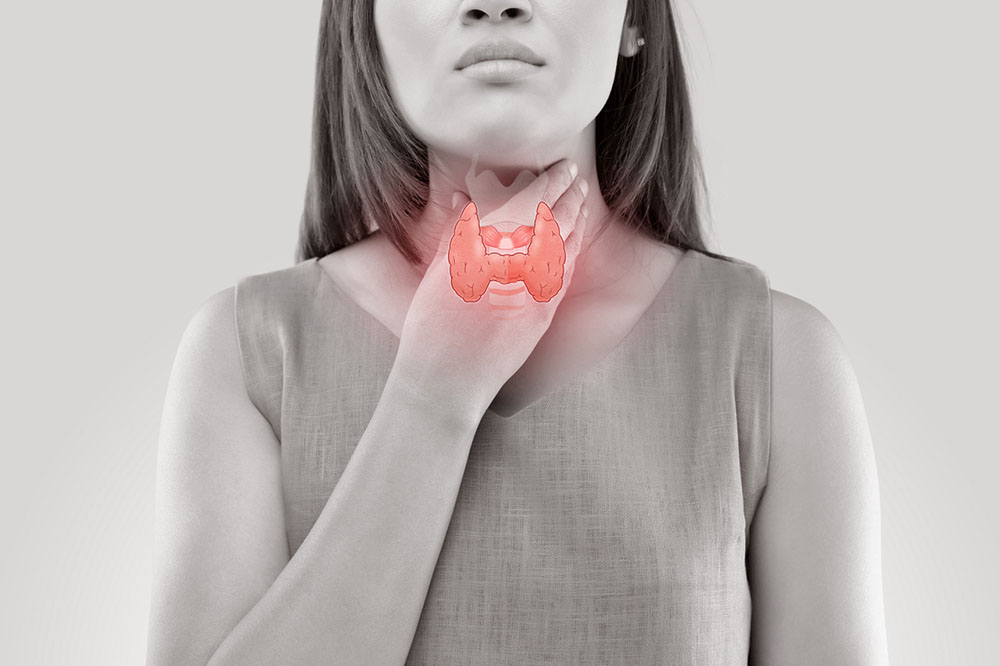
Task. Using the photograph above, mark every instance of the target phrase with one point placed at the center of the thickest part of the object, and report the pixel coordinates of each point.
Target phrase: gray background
(152, 154)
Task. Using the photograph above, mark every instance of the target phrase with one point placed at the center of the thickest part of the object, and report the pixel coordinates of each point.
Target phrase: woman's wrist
(453, 403)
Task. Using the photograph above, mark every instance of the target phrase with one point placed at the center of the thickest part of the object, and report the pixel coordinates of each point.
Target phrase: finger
(574, 242)
(568, 207)
(558, 179)
(458, 201)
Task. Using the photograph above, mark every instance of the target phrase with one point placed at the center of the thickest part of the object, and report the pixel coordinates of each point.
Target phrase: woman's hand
(458, 350)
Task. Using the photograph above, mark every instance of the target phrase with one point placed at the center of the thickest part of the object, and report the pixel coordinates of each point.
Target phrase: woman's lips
(500, 71)
(498, 49)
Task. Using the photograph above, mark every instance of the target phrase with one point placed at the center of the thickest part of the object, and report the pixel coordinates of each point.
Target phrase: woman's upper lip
(498, 49)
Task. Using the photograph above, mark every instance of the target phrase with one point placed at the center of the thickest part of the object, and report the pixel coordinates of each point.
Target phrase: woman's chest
(606, 520)
(588, 542)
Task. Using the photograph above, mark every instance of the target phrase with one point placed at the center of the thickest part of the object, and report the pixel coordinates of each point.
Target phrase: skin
(814, 558)
(505, 130)
(814, 551)
(507, 127)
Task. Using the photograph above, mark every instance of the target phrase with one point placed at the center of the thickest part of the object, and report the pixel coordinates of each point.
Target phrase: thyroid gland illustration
(540, 268)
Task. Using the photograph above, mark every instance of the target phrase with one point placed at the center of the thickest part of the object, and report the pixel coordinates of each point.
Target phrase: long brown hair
(368, 167)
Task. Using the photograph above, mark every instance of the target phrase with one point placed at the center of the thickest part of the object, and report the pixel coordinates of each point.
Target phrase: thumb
(459, 200)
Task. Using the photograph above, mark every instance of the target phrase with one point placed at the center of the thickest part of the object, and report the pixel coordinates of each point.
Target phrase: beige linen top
(606, 523)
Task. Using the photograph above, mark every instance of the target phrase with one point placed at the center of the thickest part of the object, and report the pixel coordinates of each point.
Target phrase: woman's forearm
(354, 590)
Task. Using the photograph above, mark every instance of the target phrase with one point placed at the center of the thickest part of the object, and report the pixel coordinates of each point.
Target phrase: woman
(605, 465)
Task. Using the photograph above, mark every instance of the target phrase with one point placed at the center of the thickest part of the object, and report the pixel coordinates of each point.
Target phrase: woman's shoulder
(813, 382)
(795, 322)
(791, 314)
(725, 295)
(800, 332)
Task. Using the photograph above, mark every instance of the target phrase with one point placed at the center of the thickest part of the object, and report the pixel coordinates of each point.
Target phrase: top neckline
(576, 379)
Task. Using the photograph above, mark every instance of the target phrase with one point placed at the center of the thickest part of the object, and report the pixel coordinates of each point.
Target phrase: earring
(632, 46)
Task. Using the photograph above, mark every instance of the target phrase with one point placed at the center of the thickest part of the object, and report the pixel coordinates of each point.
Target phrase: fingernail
(573, 169)
(455, 200)
(584, 186)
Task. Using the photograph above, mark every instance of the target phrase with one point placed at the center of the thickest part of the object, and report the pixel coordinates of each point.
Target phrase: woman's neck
(505, 188)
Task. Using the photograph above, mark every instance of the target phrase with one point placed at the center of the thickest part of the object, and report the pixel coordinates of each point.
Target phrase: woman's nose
(495, 11)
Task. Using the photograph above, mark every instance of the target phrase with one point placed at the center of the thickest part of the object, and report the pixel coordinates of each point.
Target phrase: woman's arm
(225, 592)
(815, 542)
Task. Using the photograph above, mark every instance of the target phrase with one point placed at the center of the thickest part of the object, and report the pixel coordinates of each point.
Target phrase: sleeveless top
(606, 523)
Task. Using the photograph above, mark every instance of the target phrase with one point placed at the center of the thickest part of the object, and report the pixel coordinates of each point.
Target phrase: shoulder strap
(733, 306)
(268, 309)
(752, 379)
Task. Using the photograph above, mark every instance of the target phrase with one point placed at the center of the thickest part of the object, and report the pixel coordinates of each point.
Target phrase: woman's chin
(502, 145)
